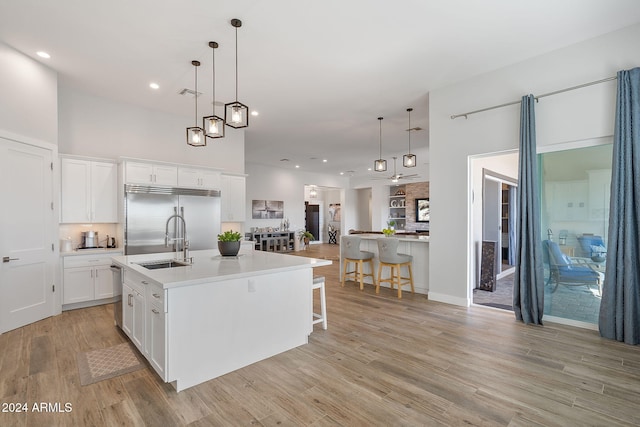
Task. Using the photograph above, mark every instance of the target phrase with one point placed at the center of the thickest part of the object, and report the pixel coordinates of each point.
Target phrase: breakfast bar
(199, 321)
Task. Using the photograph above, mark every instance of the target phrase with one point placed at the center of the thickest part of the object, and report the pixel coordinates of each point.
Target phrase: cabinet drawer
(135, 281)
(155, 296)
(88, 260)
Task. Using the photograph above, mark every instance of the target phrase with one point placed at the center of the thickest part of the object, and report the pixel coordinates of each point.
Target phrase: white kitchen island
(194, 323)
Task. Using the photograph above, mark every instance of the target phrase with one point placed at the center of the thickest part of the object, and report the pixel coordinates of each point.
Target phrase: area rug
(105, 363)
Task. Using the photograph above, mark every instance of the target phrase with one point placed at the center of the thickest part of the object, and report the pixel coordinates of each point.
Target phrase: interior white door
(491, 211)
(26, 227)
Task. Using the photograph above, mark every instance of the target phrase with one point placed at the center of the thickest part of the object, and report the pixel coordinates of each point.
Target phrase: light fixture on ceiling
(43, 54)
(236, 114)
(313, 193)
(380, 165)
(213, 125)
(409, 160)
(195, 135)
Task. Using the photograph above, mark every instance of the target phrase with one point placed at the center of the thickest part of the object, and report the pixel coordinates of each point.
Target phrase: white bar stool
(318, 283)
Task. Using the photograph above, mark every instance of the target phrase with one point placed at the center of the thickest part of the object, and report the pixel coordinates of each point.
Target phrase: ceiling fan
(398, 176)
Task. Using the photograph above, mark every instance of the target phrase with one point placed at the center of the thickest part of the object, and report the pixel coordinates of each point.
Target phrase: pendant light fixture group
(213, 125)
(409, 160)
(236, 114)
(196, 135)
(380, 165)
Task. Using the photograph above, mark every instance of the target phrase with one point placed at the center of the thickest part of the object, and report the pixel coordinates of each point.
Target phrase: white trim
(448, 299)
(29, 141)
(572, 145)
(570, 322)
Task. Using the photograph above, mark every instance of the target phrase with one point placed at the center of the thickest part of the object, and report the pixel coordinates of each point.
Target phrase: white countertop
(101, 251)
(209, 266)
(401, 237)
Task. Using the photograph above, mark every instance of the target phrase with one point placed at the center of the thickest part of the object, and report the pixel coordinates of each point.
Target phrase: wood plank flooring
(383, 361)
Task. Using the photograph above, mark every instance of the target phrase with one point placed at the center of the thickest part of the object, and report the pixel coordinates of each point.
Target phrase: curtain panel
(620, 305)
(528, 283)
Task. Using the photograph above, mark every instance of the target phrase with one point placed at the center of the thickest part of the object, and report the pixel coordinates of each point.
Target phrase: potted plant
(388, 232)
(306, 237)
(229, 243)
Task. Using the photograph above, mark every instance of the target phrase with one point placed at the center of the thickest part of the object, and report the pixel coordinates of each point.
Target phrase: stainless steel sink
(164, 263)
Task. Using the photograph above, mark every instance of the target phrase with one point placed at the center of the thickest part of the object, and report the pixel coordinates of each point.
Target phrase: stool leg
(373, 271)
(396, 278)
(413, 291)
(379, 275)
(345, 264)
(361, 269)
(323, 307)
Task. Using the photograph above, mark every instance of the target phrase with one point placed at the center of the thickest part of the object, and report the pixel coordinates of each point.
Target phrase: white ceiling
(318, 72)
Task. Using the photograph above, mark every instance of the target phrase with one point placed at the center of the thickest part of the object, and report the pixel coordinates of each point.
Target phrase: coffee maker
(89, 239)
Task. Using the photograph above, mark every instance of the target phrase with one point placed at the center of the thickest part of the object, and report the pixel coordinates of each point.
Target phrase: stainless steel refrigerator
(147, 210)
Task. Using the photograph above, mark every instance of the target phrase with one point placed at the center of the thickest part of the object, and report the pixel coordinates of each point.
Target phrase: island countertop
(401, 237)
(208, 266)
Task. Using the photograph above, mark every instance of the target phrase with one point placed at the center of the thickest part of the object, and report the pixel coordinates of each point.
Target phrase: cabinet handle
(144, 282)
(156, 295)
(155, 311)
(129, 300)
(96, 274)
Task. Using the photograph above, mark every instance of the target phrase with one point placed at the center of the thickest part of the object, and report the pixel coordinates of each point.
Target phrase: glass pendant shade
(236, 115)
(380, 165)
(409, 160)
(196, 135)
(213, 125)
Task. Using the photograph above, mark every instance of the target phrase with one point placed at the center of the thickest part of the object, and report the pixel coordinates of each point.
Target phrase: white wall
(28, 97)
(577, 115)
(364, 209)
(267, 183)
(99, 127)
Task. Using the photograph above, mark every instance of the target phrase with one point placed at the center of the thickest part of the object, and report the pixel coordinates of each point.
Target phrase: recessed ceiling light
(43, 54)
(297, 166)
(324, 160)
(255, 113)
(341, 173)
(369, 169)
(154, 85)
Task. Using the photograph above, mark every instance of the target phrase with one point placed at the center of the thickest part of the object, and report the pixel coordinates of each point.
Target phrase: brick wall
(415, 190)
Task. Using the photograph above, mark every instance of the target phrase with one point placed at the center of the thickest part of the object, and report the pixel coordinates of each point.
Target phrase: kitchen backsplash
(74, 232)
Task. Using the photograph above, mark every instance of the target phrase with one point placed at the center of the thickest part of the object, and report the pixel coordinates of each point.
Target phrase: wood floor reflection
(383, 361)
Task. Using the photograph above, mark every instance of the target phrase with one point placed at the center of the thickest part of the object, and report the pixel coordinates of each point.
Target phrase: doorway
(498, 219)
(312, 219)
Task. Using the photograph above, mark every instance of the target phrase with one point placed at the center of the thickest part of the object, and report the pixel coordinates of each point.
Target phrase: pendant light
(236, 114)
(409, 160)
(380, 165)
(195, 135)
(213, 125)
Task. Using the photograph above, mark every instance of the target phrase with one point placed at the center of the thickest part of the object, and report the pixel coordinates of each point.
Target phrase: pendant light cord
(213, 79)
(380, 119)
(409, 110)
(236, 64)
(196, 95)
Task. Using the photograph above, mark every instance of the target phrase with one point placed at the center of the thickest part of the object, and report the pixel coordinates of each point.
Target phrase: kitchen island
(197, 322)
(410, 244)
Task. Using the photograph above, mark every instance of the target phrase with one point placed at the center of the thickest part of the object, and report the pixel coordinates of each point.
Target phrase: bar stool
(318, 283)
(350, 250)
(389, 257)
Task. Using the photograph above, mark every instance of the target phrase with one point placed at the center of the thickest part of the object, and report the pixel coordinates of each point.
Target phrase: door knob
(7, 259)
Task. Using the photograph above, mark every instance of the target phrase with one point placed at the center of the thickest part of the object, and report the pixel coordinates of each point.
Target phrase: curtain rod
(455, 116)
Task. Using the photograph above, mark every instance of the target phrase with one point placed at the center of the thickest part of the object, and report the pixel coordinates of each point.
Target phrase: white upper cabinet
(88, 191)
(233, 203)
(149, 173)
(198, 178)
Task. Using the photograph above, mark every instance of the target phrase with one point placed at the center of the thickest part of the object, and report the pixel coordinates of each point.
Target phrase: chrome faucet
(185, 242)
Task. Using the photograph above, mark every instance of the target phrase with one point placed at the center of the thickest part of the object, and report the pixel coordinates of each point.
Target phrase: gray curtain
(513, 213)
(528, 282)
(620, 305)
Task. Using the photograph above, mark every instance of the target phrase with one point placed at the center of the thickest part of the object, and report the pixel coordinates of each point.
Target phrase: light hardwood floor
(383, 361)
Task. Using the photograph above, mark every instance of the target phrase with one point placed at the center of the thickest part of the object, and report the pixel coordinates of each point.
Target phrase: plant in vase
(388, 232)
(229, 243)
(305, 237)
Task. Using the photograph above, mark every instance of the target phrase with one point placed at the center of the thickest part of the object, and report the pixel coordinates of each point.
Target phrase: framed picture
(422, 210)
(267, 209)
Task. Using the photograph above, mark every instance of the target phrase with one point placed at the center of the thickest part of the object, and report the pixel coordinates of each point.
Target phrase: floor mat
(104, 363)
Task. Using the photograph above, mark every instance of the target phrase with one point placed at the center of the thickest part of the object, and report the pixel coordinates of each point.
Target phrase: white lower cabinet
(144, 318)
(87, 278)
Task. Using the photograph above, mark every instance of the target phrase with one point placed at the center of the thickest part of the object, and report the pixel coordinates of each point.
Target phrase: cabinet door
(127, 310)
(188, 177)
(140, 173)
(78, 285)
(232, 201)
(138, 320)
(165, 175)
(104, 192)
(103, 281)
(210, 179)
(156, 339)
(75, 190)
